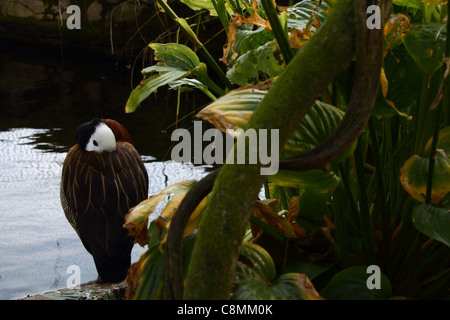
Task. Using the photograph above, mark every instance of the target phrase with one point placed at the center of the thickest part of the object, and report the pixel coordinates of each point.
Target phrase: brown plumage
(98, 187)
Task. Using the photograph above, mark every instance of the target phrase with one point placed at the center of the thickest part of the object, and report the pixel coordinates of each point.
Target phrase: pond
(44, 96)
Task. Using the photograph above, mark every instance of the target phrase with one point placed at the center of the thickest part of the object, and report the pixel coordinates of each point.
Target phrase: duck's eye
(95, 143)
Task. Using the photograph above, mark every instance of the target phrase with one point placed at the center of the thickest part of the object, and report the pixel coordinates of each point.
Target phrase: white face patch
(102, 139)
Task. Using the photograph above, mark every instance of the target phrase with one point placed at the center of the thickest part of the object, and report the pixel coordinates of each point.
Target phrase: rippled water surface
(42, 101)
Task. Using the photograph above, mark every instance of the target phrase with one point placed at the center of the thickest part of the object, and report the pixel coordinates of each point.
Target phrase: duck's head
(95, 135)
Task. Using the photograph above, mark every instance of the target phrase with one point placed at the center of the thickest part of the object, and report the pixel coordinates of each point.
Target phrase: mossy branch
(226, 216)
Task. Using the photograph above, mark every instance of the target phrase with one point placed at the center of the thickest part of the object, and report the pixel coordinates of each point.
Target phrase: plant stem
(365, 218)
(280, 34)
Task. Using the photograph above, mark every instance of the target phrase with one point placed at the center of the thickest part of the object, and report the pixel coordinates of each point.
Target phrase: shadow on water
(42, 101)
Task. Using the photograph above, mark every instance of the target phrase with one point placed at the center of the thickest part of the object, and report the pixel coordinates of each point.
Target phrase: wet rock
(94, 291)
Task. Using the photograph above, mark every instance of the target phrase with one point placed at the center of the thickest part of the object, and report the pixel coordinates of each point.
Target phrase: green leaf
(248, 39)
(433, 222)
(351, 284)
(259, 263)
(233, 110)
(255, 276)
(312, 207)
(151, 280)
(257, 65)
(414, 173)
(300, 15)
(205, 5)
(175, 55)
(426, 45)
(153, 269)
(316, 180)
(177, 62)
(416, 4)
(150, 85)
(317, 125)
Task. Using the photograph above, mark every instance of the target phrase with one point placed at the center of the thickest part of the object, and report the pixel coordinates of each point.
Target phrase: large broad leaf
(148, 274)
(136, 220)
(433, 221)
(426, 45)
(255, 276)
(414, 173)
(233, 110)
(177, 62)
(414, 176)
(352, 284)
(317, 125)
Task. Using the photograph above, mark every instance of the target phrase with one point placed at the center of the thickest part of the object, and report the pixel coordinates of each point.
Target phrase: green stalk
(437, 127)
(381, 192)
(197, 43)
(280, 34)
(365, 218)
(219, 6)
(433, 154)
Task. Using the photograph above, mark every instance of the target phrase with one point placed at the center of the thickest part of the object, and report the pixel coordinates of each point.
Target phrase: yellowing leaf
(414, 175)
(136, 220)
(384, 89)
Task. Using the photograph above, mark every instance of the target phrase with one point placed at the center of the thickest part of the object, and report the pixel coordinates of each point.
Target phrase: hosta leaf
(150, 270)
(136, 220)
(256, 278)
(233, 110)
(426, 45)
(433, 221)
(351, 284)
(317, 125)
(414, 173)
(260, 264)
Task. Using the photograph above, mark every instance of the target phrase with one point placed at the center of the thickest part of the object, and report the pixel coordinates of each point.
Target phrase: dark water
(43, 98)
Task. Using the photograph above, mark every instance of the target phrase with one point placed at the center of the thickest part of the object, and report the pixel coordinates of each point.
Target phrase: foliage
(384, 202)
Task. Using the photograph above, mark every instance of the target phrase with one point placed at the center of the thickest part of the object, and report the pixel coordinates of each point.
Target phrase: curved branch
(369, 55)
(174, 266)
